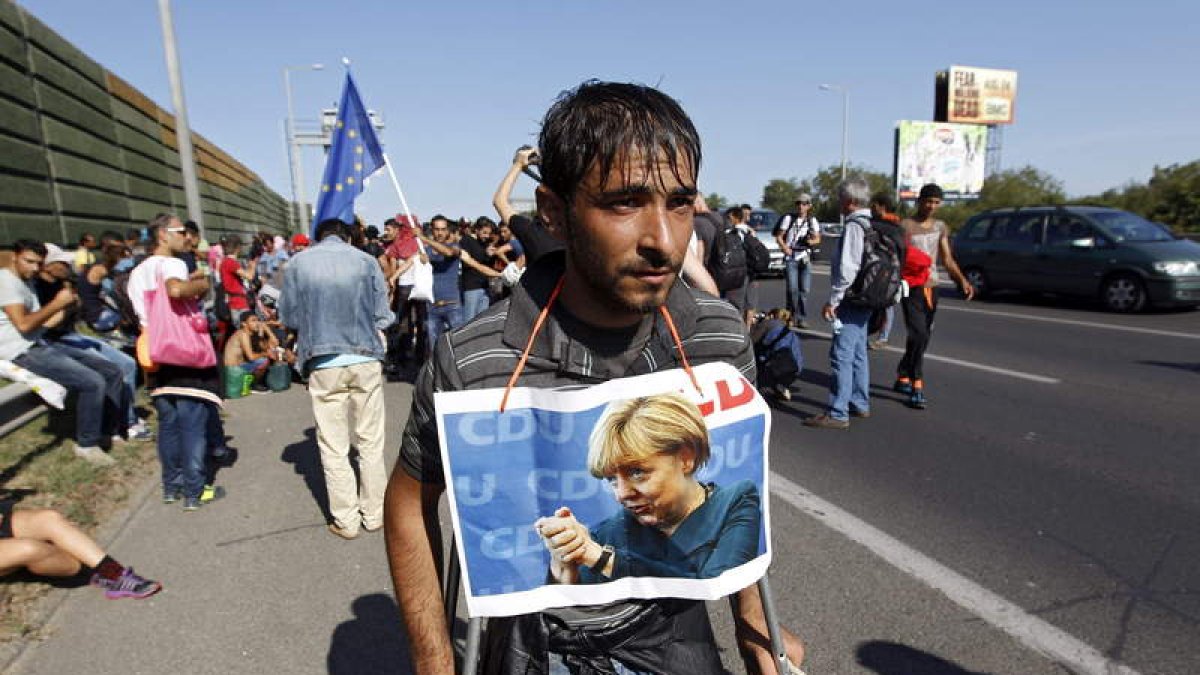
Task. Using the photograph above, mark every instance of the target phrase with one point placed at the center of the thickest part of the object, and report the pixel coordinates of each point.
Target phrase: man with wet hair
(619, 165)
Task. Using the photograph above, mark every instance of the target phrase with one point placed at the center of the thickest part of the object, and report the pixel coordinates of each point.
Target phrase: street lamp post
(183, 133)
(845, 119)
(293, 153)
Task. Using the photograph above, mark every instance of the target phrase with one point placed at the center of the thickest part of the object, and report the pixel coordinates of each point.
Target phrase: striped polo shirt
(484, 353)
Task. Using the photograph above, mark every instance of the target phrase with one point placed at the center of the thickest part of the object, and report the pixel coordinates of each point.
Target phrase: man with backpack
(884, 219)
(931, 237)
(865, 276)
(797, 234)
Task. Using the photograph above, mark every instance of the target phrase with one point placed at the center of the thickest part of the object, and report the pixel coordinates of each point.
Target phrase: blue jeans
(108, 320)
(474, 302)
(799, 280)
(182, 442)
(125, 362)
(441, 319)
(250, 366)
(848, 361)
(97, 381)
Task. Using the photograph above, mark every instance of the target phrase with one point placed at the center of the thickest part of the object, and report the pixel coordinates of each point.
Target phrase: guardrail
(18, 406)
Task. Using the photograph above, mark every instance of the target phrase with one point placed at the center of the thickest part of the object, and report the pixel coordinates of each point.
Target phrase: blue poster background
(508, 469)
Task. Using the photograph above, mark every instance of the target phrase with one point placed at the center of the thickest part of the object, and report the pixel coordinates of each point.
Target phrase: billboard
(978, 95)
(951, 155)
(645, 487)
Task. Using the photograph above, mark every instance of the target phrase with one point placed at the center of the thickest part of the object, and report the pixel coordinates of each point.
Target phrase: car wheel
(1123, 293)
(979, 280)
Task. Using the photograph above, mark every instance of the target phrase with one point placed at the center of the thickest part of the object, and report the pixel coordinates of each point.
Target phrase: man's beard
(591, 267)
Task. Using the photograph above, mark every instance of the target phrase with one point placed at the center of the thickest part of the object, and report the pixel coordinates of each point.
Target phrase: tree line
(1170, 196)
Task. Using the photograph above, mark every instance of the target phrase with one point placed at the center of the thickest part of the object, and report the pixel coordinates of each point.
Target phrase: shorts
(6, 510)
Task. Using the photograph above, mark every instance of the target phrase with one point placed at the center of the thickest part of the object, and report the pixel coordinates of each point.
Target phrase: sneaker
(802, 324)
(903, 386)
(211, 493)
(342, 532)
(128, 585)
(826, 422)
(916, 399)
(94, 455)
(861, 414)
(876, 344)
(369, 527)
(139, 432)
(191, 504)
(783, 392)
(171, 496)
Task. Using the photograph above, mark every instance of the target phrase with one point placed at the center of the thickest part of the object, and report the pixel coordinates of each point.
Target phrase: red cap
(300, 240)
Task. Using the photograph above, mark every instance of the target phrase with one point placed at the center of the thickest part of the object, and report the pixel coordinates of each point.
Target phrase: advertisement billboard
(951, 155)
(980, 95)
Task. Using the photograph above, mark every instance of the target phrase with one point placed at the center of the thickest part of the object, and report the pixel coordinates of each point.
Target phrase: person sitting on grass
(253, 347)
(44, 542)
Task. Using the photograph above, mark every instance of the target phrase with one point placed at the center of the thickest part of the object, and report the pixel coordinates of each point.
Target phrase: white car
(763, 221)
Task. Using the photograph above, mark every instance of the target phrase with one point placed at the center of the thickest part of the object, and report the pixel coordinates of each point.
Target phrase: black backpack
(773, 354)
(877, 284)
(727, 261)
(758, 258)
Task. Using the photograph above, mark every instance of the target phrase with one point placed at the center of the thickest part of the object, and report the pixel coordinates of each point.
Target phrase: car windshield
(763, 221)
(1125, 226)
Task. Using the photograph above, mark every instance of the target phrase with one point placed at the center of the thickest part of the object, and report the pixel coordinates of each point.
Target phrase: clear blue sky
(1106, 90)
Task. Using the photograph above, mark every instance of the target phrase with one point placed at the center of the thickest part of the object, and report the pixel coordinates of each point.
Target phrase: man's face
(389, 232)
(746, 215)
(193, 239)
(440, 230)
(484, 233)
(176, 236)
(89, 242)
(626, 234)
(804, 207)
(928, 206)
(252, 323)
(27, 264)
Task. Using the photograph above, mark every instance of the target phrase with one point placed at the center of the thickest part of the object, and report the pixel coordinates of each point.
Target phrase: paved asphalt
(1073, 497)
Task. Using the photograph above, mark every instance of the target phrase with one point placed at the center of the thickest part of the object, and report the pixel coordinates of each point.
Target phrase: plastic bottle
(836, 325)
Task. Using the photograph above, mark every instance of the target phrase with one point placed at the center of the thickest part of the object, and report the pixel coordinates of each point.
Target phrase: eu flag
(353, 156)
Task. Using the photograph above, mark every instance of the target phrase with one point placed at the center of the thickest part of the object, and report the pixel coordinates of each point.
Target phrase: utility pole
(183, 133)
(294, 165)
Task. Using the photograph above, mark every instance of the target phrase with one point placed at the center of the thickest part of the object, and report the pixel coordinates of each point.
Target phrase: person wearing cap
(797, 234)
(931, 236)
(97, 381)
(55, 275)
(299, 243)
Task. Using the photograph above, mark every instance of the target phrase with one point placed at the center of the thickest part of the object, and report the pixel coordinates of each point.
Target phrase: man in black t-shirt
(477, 269)
(534, 237)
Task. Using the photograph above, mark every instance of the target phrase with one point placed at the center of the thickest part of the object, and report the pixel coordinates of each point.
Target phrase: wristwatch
(606, 554)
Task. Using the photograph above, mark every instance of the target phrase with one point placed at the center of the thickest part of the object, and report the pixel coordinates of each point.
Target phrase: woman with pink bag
(185, 383)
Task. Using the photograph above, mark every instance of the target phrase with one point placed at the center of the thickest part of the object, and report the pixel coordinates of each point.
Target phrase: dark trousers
(103, 398)
(919, 309)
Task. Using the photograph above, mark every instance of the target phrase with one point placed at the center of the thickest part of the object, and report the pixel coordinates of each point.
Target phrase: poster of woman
(637, 488)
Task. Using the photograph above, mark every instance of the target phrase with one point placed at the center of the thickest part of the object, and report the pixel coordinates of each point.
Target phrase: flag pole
(396, 184)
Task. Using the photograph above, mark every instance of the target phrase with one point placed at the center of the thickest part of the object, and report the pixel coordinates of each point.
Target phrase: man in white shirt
(102, 396)
(797, 234)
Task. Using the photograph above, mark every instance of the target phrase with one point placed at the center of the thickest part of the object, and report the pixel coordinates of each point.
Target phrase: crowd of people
(619, 223)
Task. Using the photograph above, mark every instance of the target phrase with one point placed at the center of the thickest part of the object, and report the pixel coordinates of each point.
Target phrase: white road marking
(1026, 628)
(1040, 379)
(1072, 322)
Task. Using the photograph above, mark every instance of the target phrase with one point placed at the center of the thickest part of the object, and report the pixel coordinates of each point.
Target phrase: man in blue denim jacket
(336, 299)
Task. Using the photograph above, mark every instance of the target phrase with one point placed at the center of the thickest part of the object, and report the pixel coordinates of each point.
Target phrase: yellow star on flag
(338, 187)
(350, 180)
(358, 166)
(352, 133)
(340, 124)
(325, 188)
(358, 149)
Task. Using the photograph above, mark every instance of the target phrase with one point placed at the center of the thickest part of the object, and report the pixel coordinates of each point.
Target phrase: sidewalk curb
(47, 608)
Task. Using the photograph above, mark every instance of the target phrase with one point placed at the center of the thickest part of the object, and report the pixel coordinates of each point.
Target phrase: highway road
(1041, 516)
